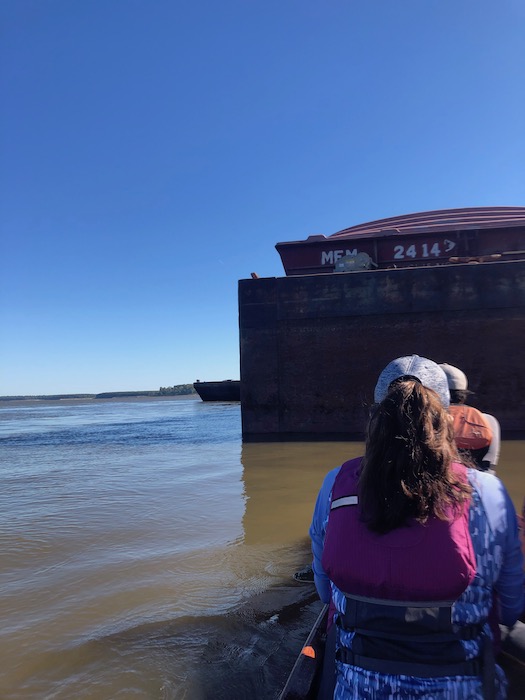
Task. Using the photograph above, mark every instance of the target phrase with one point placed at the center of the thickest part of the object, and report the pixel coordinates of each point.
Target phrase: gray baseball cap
(457, 379)
(426, 371)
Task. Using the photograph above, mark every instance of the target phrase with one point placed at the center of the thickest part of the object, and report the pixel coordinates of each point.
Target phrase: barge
(429, 238)
(225, 390)
(449, 285)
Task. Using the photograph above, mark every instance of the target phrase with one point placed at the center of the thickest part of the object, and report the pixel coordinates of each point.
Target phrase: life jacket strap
(473, 667)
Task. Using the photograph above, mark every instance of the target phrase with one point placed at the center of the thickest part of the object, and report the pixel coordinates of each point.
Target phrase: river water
(145, 552)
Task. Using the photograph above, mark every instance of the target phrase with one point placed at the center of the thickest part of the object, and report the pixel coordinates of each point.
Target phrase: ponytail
(406, 471)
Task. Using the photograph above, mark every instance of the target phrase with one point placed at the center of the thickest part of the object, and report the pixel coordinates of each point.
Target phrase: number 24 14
(400, 252)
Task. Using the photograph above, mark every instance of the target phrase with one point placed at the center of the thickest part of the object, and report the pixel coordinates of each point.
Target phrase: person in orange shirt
(486, 459)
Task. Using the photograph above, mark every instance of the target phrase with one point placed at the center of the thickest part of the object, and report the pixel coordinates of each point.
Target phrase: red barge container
(449, 285)
(430, 238)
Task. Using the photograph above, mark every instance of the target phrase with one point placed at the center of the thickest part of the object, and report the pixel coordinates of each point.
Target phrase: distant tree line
(178, 390)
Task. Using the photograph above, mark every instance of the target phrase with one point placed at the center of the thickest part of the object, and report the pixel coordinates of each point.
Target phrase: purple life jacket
(399, 588)
(416, 562)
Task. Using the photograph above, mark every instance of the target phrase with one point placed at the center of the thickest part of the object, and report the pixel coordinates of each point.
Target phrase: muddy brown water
(145, 552)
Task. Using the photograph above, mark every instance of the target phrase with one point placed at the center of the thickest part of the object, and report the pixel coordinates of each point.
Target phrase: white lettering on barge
(329, 257)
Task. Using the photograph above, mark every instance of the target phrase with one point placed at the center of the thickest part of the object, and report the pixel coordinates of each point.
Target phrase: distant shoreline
(179, 390)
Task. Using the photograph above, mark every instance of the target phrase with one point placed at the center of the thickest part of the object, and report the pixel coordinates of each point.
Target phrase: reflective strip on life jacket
(344, 501)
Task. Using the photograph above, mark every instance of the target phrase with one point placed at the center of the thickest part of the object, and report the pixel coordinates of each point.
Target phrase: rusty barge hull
(312, 346)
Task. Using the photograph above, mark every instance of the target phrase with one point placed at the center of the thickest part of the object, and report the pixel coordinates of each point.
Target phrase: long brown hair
(406, 471)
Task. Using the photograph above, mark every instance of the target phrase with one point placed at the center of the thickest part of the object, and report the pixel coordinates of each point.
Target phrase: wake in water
(247, 653)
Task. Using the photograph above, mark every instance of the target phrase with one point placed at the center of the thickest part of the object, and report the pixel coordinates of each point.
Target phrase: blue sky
(153, 152)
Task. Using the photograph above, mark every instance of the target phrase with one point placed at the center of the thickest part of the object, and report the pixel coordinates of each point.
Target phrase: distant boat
(225, 390)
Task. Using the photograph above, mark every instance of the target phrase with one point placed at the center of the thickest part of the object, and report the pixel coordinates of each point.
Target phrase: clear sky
(153, 152)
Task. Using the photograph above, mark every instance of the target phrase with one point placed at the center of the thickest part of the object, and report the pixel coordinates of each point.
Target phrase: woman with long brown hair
(410, 546)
